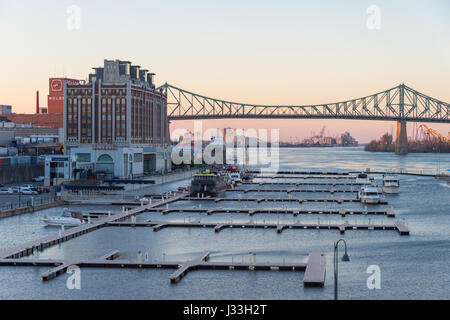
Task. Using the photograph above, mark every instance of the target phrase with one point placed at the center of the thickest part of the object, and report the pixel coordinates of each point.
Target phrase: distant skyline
(255, 51)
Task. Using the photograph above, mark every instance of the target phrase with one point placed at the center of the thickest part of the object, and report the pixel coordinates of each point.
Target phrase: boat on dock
(391, 184)
(208, 184)
(369, 195)
(67, 218)
(363, 179)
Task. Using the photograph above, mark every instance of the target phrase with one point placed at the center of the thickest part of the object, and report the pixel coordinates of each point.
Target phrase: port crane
(427, 133)
(322, 132)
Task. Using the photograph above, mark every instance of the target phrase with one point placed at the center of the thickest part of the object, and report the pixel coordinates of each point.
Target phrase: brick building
(37, 120)
(55, 98)
(117, 123)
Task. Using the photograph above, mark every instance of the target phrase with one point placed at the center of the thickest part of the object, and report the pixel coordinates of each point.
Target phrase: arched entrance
(105, 164)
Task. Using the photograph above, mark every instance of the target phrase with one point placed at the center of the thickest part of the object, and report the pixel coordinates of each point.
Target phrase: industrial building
(5, 109)
(116, 124)
(55, 98)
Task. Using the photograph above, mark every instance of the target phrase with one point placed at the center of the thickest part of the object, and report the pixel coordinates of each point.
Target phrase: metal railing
(28, 203)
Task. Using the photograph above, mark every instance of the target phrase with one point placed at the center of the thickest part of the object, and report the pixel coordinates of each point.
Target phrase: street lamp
(345, 258)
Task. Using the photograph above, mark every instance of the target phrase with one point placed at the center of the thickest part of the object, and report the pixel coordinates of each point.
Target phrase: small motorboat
(363, 179)
(369, 195)
(391, 184)
(67, 218)
(144, 200)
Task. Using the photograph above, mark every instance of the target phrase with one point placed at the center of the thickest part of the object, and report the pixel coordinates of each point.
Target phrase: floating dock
(342, 212)
(56, 238)
(259, 200)
(314, 270)
(342, 227)
(305, 183)
(312, 267)
(293, 190)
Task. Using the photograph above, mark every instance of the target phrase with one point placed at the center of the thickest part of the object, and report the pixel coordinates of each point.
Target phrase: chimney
(37, 101)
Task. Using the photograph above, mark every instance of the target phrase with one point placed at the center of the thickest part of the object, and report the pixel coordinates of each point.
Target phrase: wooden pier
(306, 177)
(218, 226)
(315, 271)
(259, 200)
(312, 267)
(56, 238)
(336, 183)
(293, 190)
(342, 212)
(323, 173)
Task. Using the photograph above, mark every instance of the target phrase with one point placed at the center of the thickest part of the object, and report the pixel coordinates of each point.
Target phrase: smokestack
(37, 101)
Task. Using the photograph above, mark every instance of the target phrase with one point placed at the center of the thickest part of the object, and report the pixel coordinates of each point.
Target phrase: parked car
(15, 189)
(43, 189)
(6, 191)
(35, 189)
(38, 179)
(25, 190)
(27, 186)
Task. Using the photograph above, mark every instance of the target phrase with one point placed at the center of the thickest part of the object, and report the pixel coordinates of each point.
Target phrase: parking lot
(8, 199)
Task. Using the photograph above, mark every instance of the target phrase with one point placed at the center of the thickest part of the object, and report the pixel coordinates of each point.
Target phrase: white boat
(369, 195)
(363, 179)
(67, 219)
(391, 184)
(235, 177)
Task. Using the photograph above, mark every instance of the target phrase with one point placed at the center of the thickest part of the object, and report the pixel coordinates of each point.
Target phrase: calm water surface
(414, 267)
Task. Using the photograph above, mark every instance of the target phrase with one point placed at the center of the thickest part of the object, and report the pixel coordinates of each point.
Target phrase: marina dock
(312, 267)
(335, 183)
(342, 227)
(296, 199)
(293, 190)
(342, 212)
(56, 238)
(314, 270)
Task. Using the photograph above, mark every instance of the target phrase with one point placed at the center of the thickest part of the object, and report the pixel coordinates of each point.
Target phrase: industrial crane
(429, 132)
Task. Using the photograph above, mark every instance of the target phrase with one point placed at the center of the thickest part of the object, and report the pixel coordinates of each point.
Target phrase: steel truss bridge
(400, 103)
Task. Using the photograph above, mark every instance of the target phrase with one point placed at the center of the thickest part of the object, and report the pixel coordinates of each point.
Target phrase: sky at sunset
(254, 51)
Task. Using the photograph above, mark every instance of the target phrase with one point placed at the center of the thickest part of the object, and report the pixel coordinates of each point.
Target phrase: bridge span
(400, 103)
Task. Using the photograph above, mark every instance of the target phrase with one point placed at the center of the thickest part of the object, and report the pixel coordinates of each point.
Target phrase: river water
(411, 267)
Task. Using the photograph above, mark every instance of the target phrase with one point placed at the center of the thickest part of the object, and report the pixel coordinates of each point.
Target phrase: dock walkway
(342, 227)
(342, 212)
(259, 200)
(182, 267)
(56, 238)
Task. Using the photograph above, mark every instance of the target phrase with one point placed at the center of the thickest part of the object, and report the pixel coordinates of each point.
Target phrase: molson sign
(55, 100)
(56, 85)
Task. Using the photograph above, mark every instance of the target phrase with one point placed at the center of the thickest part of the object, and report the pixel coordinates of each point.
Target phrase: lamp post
(345, 258)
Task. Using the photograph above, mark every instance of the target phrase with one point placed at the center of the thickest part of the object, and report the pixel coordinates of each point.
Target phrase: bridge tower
(401, 141)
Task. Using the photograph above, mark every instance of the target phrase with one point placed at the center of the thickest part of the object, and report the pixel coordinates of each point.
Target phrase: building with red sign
(117, 123)
(55, 98)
